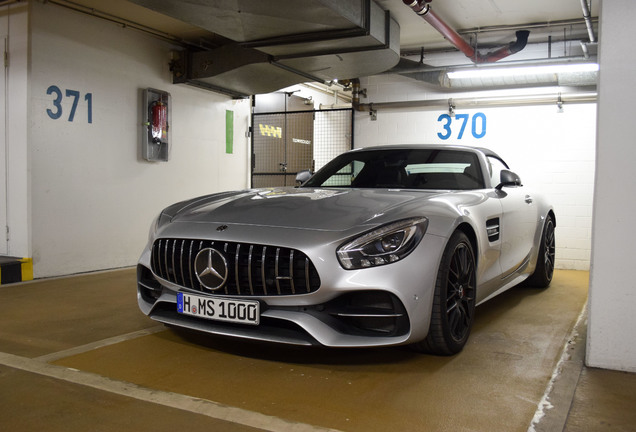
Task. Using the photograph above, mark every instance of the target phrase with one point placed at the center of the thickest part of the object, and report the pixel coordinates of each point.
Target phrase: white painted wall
(17, 158)
(4, 37)
(92, 195)
(612, 322)
(552, 152)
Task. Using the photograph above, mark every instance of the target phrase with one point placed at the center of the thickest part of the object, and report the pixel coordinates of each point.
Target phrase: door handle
(528, 199)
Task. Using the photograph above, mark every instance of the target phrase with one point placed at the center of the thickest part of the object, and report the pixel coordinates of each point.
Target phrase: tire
(542, 275)
(454, 300)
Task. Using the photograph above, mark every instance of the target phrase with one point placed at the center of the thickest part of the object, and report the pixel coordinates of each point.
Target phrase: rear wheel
(542, 275)
(454, 301)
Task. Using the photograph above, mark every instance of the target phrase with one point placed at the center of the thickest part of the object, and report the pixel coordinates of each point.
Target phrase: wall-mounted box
(155, 134)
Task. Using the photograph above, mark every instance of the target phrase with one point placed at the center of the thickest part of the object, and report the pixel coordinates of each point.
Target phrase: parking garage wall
(14, 181)
(552, 151)
(93, 197)
(612, 322)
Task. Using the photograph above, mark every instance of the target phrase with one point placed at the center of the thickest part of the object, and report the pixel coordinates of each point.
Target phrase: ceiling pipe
(478, 102)
(587, 16)
(423, 9)
(590, 29)
(508, 50)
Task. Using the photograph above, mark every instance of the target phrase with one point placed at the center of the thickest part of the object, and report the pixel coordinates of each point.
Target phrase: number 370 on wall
(477, 125)
(56, 111)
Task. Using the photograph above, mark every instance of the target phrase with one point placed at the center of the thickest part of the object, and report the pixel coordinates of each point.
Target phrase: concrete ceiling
(462, 15)
(484, 14)
(556, 28)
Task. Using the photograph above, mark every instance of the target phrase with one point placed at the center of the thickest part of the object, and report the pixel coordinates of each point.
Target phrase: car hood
(305, 208)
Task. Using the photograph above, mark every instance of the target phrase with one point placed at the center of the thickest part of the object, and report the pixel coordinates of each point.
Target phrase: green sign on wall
(229, 132)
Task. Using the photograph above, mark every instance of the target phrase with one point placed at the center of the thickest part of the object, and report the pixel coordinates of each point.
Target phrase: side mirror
(302, 177)
(508, 178)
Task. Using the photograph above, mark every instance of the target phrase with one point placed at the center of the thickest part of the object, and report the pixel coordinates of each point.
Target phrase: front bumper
(383, 306)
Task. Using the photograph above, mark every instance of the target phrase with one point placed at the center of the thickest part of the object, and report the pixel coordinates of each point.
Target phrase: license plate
(219, 308)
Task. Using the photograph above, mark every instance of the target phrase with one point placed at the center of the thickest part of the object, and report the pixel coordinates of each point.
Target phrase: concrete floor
(76, 354)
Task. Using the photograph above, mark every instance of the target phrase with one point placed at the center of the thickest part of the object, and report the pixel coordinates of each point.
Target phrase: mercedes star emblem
(210, 266)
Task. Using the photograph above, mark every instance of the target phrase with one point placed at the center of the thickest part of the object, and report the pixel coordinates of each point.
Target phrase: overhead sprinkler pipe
(587, 16)
(423, 9)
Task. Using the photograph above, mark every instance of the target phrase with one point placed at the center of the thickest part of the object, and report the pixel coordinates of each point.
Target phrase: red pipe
(423, 9)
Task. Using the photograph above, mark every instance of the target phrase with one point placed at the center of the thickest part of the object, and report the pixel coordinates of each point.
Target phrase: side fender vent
(492, 228)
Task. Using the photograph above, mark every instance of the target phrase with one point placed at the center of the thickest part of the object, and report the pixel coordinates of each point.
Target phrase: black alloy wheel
(549, 245)
(454, 301)
(544, 271)
(460, 292)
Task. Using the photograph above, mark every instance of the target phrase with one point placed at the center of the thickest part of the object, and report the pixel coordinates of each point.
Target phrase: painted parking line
(99, 344)
(168, 399)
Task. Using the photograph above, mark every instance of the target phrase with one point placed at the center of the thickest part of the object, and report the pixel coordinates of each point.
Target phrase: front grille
(253, 270)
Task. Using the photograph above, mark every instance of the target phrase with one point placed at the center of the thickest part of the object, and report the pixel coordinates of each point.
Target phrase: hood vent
(273, 44)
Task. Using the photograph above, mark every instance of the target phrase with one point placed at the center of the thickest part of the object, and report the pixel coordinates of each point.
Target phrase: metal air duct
(437, 77)
(273, 44)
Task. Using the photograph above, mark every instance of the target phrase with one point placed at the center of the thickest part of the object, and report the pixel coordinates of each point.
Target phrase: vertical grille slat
(263, 266)
(173, 268)
(237, 273)
(307, 280)
(165, 256)
(277, 270)
(190, 259)
(249, 270)
(181, 262)
(155, 257)
(254, 270)
(201, 245)
(225, 249)
(291, 272)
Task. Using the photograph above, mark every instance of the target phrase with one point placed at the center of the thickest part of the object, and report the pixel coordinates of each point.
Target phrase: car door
(518, 225)
(518, 222)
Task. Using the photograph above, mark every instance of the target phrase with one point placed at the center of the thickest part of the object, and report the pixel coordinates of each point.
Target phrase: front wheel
(454, 300)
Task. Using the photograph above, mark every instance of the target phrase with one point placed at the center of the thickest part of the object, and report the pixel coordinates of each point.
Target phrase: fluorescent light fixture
(492, 72)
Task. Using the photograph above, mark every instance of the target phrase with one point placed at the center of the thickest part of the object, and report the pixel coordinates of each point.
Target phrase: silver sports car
(382, 246)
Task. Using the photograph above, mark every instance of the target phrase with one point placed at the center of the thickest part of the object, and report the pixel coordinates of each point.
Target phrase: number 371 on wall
(55, 112)
(477, 125)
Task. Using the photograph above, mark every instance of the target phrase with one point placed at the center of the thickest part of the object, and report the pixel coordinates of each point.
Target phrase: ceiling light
(491, 72)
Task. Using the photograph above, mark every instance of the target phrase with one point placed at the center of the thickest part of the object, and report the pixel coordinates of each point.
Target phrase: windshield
(403, 169)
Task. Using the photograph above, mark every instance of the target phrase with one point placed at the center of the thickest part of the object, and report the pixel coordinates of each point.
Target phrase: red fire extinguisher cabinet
(155, 134)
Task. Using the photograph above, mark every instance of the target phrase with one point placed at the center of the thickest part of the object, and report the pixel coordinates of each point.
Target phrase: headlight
(384, 245)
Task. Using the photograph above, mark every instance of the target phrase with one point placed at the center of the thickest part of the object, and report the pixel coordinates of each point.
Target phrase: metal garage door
(285, 143)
